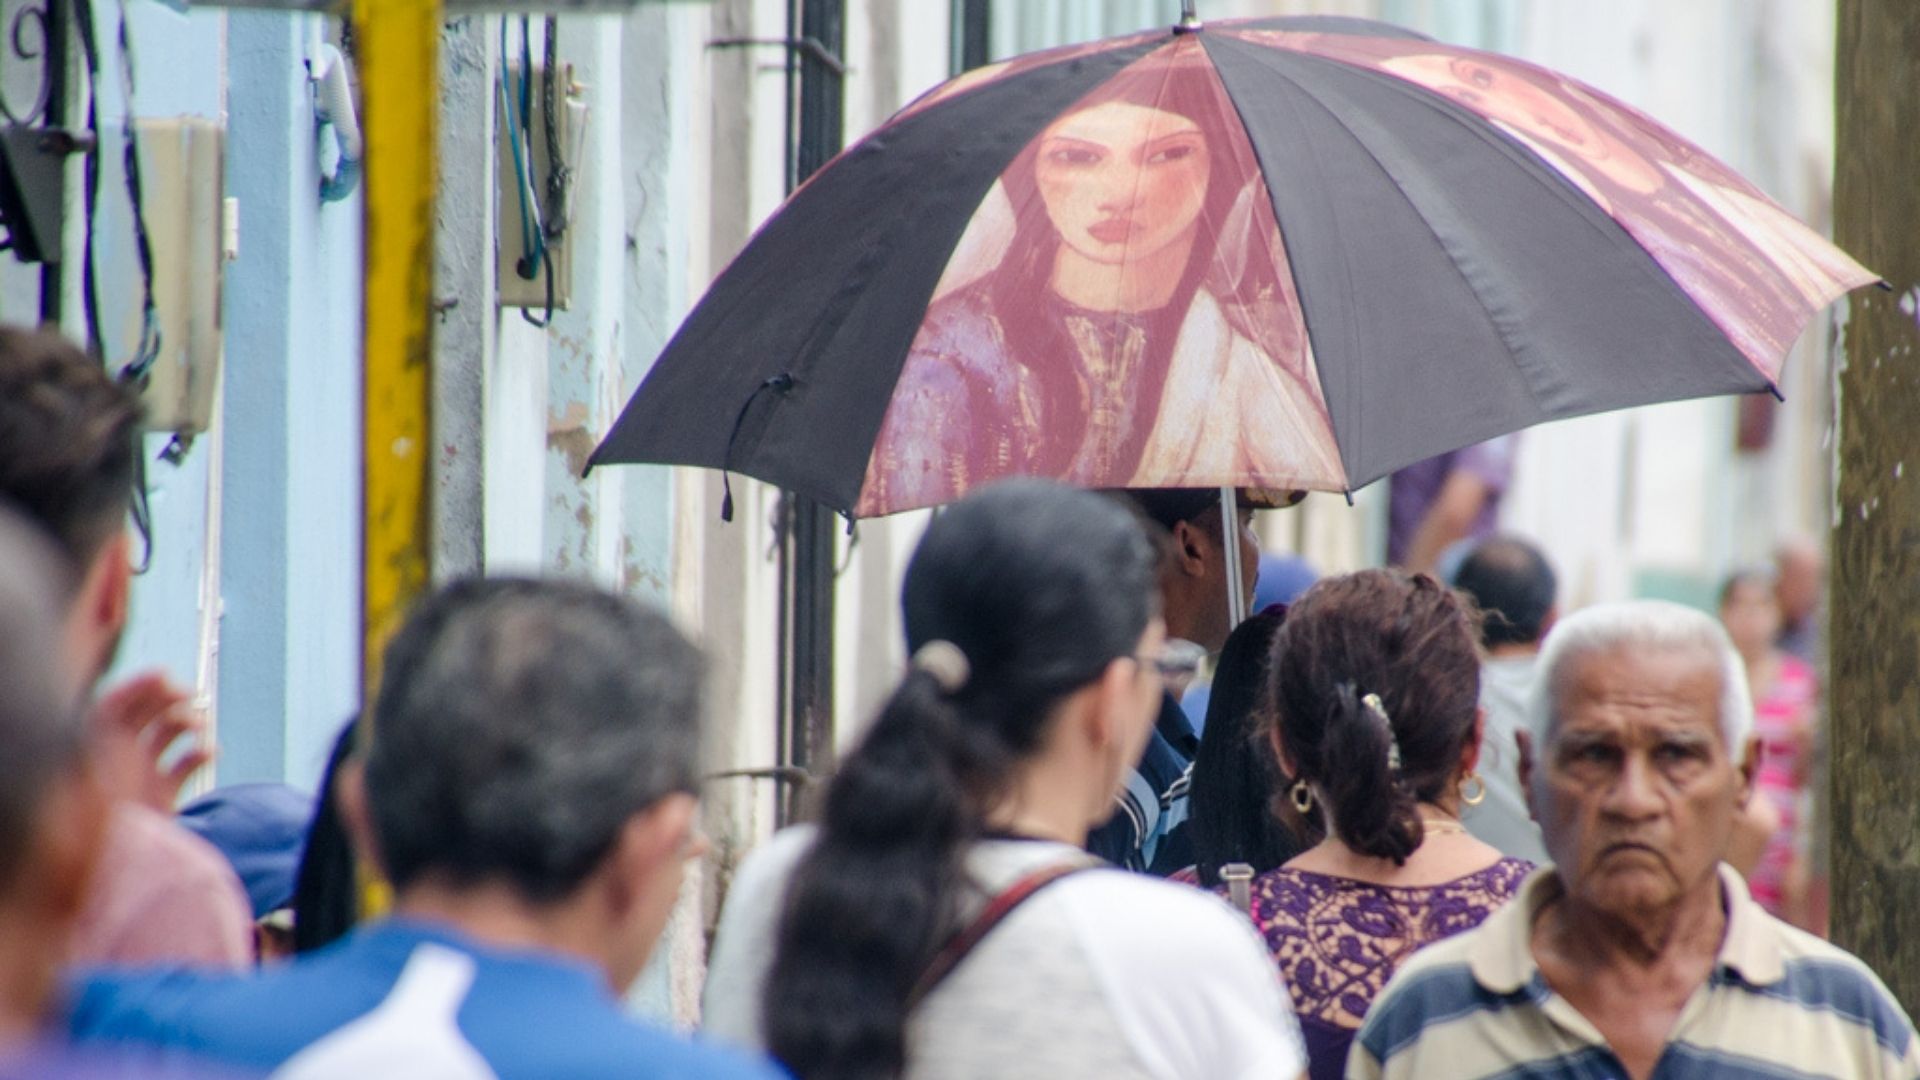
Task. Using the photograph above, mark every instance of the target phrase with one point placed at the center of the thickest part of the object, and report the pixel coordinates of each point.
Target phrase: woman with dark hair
(1122, 281)
(326, 889)
(1375, 713)
(1235, 808)
(942, 919)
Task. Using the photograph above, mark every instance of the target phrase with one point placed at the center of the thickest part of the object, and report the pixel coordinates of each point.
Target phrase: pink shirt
(162, 896)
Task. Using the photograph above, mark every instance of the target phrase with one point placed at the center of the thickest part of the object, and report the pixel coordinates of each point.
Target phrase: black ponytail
(1374, 810)
(877, 895)
(1040, 588)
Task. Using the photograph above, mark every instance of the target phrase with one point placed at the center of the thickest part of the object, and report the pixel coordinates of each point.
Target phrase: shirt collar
(1502, 958)
(1174, 726)
(400, 934)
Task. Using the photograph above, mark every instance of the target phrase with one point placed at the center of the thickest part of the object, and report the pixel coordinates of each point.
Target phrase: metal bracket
(779, 774)
(806, 46)
(32, 187)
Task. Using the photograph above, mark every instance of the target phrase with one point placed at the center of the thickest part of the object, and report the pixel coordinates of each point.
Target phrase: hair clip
(1374, 705)
(946, 663)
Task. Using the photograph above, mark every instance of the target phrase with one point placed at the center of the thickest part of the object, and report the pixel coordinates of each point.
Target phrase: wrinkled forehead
(1629, 687)
(1120, 123)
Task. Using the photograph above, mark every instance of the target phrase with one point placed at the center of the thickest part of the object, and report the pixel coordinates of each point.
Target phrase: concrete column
(463, 277)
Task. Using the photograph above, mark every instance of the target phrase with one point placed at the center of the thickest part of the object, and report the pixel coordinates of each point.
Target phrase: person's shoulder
(179, 1007)
(1819, 975)
(1436, 984)
(766, 868)
(1504, 879)
(1148, 917)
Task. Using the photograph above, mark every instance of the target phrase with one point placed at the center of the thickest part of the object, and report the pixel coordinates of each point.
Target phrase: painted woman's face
(1122, 181)
(1529, 111)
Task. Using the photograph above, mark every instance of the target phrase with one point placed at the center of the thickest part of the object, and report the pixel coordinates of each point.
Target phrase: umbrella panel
(1119, 313)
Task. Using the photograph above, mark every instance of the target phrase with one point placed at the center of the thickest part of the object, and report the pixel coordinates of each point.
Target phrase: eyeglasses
(1177, 659)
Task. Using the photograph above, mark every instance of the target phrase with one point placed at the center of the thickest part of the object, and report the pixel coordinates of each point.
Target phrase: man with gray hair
(1638, 953)
(529, 792)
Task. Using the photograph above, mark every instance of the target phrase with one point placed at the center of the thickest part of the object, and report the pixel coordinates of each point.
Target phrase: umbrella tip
(1189, 19)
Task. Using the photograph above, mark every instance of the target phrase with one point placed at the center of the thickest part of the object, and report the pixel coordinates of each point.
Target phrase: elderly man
(1638, 954)
(529, 793)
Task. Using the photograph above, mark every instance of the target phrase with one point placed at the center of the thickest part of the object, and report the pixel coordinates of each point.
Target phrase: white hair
(1646, 624)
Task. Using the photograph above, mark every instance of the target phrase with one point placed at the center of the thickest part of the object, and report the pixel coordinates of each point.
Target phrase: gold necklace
(1441, 825)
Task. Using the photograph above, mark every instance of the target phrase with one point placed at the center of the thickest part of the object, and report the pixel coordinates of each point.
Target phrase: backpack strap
(1002, 905)
(1238, 878)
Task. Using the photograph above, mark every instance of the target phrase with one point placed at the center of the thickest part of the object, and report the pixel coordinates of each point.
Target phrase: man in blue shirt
(1148, 830)
(528, 791)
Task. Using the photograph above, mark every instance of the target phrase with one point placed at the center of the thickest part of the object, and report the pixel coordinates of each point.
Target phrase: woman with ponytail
(1374, 706)
(941, 920)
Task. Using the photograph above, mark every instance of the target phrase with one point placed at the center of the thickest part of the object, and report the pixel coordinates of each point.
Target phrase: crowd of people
(1427, 828)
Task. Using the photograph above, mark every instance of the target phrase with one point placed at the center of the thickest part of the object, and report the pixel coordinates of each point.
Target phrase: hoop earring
(1479, 790)
(1302, 797)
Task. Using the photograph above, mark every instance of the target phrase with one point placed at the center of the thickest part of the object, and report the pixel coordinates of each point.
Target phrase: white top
(1102, 973)
(1503, 821)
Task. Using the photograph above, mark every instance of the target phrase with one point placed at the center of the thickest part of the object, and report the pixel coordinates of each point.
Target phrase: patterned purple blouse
(1338, 941)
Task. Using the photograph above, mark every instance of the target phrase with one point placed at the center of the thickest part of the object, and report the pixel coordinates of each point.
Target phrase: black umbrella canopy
(1283, 253)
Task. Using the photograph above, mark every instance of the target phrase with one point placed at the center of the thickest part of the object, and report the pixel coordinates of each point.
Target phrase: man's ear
(649, 842)
(110, 582)
(1192, 548)
(99, 608)
(1749, 766)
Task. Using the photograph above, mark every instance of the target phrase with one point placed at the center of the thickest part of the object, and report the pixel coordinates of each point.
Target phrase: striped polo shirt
(1780, 1004)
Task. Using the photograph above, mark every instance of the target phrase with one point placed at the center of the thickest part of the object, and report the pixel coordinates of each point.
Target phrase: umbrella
(1283, 253)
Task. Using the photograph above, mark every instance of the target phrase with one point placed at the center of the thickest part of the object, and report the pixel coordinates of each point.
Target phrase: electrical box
(527, 207)
(182, 161)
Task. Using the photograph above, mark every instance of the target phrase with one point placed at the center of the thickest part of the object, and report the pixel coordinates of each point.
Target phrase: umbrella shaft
(1230, 534)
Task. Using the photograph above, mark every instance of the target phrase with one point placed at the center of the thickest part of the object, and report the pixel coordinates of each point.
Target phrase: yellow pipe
(399, 53)
(398, 42)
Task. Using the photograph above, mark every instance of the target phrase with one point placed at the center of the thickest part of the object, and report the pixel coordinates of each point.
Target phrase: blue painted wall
(273, 546)
(289, 663)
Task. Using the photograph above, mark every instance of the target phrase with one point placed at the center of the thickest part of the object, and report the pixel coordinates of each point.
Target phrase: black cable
(148, 350)
(546, 265)
(89, 287)
(543, 253)
(559, 177)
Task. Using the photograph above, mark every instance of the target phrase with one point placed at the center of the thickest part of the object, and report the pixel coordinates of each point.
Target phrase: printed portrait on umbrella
(1759, 272)
(1119, 313)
